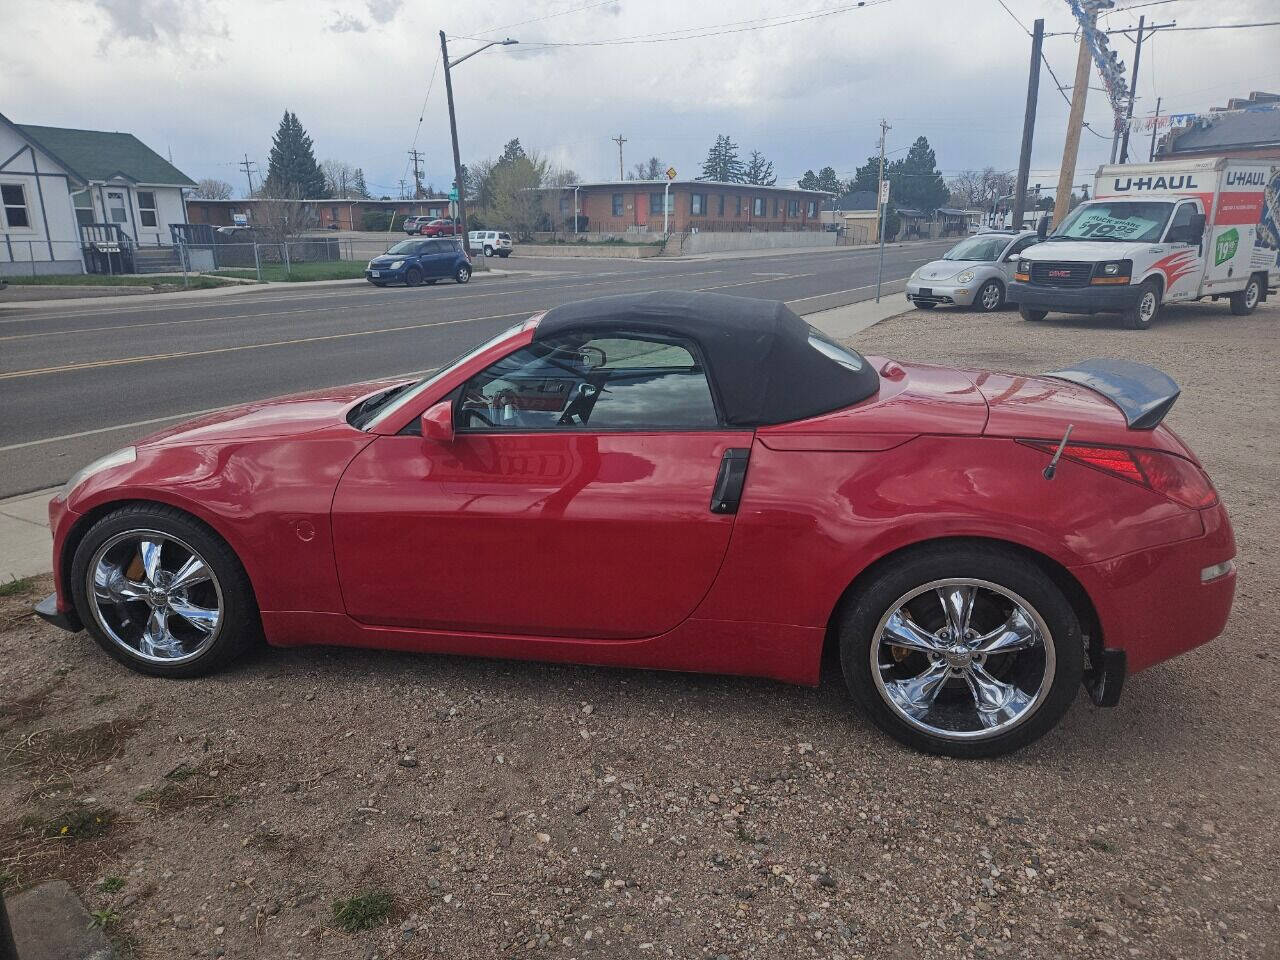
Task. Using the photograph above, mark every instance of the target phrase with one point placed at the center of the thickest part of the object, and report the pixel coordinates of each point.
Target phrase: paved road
(77, 382)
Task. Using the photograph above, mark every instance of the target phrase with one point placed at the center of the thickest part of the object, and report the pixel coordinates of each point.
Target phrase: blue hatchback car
(416, 261)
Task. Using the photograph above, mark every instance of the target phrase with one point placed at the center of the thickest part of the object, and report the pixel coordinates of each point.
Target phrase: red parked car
(682, 481)
(444, 227)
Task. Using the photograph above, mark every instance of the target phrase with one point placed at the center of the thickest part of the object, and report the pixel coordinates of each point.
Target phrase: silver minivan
(491, 242)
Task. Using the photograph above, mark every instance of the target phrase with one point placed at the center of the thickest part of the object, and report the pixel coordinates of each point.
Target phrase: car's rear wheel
(412, 277)
(488, 251)
(1034, 316)
(1245, 301)
(463, 274)
(162, 593)
(968, 651)
(1144, 312)
(990, 297)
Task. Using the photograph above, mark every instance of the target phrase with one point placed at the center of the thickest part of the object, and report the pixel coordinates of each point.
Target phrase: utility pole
(882, 202)
(1133, 86)
(1071, 149)
(416, 155)
(619, 140)
(1028, 125)
(1155, 125)
(247, 166)
(402, 183)
(457, 157)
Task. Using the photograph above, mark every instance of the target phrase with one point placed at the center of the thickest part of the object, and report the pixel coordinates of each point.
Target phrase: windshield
(978, 248)
(406, 246)
(1125, 220)
(405, 395)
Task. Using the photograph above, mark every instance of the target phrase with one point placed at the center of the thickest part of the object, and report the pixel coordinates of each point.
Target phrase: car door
(574, 501)
(432, 259)
(1183, 262)
(1007, 265)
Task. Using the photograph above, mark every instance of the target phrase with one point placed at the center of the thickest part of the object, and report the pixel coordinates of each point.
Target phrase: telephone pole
(1155, 125)
(619, 140)
(417, 173)
(1028, 126)
(1133, 86)
(1075, 123)
(402, 183)
(882, 202)
(247, 166)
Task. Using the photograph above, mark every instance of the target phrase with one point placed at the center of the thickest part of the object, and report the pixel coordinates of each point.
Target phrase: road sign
(884, 191)
(671, 173)
(453, 195)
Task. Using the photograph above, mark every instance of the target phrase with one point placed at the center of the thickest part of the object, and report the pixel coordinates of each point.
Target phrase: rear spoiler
(1143, 394)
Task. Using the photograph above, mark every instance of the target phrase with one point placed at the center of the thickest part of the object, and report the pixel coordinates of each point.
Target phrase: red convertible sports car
(682, 481)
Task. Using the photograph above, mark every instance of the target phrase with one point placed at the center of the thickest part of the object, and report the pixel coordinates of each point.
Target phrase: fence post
(257, 263)
(288, 268)
(182, 257)
(31, 255)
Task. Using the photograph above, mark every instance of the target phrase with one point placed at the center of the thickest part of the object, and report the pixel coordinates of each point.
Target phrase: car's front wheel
(1142, 314)
(991, 297)
(162, 593)
(412, 277)
(968, 651)
(463, 274)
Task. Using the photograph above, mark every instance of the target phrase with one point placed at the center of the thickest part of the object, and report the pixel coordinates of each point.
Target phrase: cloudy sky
(208, 79)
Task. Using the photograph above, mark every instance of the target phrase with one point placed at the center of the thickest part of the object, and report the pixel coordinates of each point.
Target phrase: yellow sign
(671, 173)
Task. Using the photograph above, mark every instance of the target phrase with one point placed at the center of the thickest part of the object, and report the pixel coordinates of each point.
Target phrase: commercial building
(320, 214)
(1246, 128)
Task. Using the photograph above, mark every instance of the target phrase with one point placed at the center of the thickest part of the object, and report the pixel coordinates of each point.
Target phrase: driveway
(518, 809)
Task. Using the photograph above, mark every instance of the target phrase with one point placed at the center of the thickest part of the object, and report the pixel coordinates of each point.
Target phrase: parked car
(412, 225)
(442, 227)
(412, 262)
(491, 242)
(615, 482)
(976, 272)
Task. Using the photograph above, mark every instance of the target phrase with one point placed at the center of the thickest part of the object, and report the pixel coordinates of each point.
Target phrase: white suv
(491, 242)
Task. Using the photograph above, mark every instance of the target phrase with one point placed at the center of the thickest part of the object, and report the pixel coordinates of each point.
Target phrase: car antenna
(1052, 468)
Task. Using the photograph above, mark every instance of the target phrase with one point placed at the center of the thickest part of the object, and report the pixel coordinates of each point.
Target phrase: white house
(69, 195)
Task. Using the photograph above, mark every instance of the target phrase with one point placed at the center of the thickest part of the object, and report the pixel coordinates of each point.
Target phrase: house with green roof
(77, 200)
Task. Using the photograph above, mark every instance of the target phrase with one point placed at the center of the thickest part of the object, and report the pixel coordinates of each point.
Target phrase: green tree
(825, 180)
(722, 162)
(867, 176)
(358, 185)
(916, 180)
(759, 171)
(292, 168)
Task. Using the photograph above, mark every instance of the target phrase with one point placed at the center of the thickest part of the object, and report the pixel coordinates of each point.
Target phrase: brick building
(346, 214)
(622, 206)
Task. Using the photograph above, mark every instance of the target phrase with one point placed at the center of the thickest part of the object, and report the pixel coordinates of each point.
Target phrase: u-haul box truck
(1159, 233)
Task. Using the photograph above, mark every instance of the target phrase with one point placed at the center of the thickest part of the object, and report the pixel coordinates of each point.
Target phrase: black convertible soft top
(766, 364)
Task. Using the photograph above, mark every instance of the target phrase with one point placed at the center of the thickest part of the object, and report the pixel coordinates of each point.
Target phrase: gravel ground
(513, 809)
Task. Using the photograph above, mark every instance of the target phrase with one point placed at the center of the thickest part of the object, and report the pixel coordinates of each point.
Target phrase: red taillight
(1171, 476)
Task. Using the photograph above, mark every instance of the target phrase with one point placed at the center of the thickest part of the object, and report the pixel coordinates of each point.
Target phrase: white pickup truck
(1159, 233)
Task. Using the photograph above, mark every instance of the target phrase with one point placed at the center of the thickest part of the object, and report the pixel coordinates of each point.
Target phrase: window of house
(655, 202)
(812, 208)
(777, 208)
(698, 204)
(83, 204)
(737, 212)
(758, 206)
(720, 207)
(617, 204)
(147, 208)
(576, 381)
(793, 208)
(15, 205)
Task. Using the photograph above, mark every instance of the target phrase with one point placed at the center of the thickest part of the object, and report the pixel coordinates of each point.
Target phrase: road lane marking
(833, 293)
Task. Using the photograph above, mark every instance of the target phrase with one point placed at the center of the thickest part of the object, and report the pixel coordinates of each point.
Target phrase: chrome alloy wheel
(990, 297)
(1252, 293)
(155, 596)
(963, 659)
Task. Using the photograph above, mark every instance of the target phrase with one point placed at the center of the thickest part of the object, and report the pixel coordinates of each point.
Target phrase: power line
(1231, 26)
(549, 16)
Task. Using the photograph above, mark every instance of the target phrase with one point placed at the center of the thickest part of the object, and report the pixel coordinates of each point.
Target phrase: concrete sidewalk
(26, 546)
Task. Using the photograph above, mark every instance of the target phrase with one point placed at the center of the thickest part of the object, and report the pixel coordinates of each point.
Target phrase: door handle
(727, 492)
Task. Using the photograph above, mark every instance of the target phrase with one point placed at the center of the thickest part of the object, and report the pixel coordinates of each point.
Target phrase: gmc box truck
(1159, 233)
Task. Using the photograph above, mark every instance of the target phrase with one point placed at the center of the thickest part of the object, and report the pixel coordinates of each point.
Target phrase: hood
(1084, 251)
(944, 269)
(280, 416)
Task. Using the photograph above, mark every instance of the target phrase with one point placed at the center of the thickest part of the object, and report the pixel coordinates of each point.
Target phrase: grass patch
(302, 272)
(111, 884)
(104, 918)
(74, 825)
(13, 587)
(362, 911)
(62, 751)
(195, 281)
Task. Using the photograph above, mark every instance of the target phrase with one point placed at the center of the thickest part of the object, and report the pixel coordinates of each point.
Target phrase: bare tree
(211, 189)
(340, 178)
(974, 188)
(276, 219)
(651, 169)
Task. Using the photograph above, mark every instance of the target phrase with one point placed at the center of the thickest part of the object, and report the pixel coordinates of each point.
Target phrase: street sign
(671, 173)
(239, 219)
(453, 195)
(884, 191)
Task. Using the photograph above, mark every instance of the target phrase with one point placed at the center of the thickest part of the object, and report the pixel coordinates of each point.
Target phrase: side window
(1177, 232)
(576, 382)
(1022, 244)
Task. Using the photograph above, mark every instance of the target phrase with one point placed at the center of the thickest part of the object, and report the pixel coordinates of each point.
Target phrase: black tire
(1143, 313)
(863, 613)
(1032, 316)
(1245, 301)
(240, 626)
(986, 302)
(463, 274)
(412, 277)
(488, 251)
(924, 304)
(504, 254)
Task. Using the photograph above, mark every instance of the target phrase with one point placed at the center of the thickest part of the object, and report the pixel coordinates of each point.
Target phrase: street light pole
(453, 128)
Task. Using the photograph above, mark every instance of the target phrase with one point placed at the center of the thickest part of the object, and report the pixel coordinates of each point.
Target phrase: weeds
(111, 884)
(102, 919)
(75, 825)
(13, 587)
(362, 911)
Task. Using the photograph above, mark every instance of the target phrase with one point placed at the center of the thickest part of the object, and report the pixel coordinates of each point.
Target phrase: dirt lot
(512, 809)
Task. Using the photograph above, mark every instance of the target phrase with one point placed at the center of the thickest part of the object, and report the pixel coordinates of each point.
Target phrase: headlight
(369, 265)
(120, 457)
(1111, 269)
(1024, 266)
(397, 265)
(965, 277)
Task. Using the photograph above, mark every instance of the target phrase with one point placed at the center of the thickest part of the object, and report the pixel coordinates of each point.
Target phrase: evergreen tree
(867, 176)
(359, 186)
(917, 182)
(292, 169)
(759, 171)
(825, 180)
(809, 181)
(722, 162)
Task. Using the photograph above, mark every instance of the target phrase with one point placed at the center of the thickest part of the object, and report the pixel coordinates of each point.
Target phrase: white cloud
(346, 23)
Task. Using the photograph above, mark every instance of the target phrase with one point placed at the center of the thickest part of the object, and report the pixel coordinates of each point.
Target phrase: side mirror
(437, 423)
(1042, 228)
